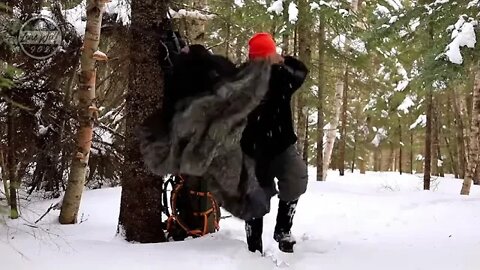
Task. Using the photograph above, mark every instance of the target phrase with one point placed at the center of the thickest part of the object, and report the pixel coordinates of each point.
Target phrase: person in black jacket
(269, 138)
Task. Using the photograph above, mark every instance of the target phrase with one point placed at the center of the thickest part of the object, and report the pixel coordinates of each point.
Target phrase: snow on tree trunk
(473, 143)
(140, 217)
(332, 130)
(87, 112)
(321, 88)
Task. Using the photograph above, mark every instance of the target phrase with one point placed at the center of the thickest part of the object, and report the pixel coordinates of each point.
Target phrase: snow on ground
(375, 221)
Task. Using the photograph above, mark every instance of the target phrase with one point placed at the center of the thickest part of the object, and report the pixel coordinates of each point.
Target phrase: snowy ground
(375, 221)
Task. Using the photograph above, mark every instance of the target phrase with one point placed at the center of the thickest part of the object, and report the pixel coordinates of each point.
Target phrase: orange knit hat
(261, 45)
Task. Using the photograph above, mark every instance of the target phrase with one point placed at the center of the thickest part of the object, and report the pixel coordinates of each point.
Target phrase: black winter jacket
(270, 131)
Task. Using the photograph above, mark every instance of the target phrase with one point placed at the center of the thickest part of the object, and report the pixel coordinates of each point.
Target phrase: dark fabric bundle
(203, 139)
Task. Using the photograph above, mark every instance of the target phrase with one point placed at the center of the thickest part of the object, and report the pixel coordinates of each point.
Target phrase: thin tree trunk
(304, 54)
(476, 179)
(321, 88)
(343, 128)
(87, 114)
(285, 35)
(460, 135)
(428, 142)
(11, 162)
(377, 159)
(238, 50)
(331, 133)
(451, 157)
(354, 152)
(411, 151)
(400, 159)
(6, 187)
(435, 143)
(305, 142)
(140, 217)
(473, 146)
(228, 27)
(440, 163)
(342, 142)
(391, 158)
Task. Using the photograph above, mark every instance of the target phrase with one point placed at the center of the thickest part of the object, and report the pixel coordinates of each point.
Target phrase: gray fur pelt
(203, 140)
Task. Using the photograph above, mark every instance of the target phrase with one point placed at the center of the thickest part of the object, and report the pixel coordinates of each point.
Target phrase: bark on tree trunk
(87, 114)
(343, 128)
(332, 131)
(476, 179)
(428, 142)
(321, 88)
(354, 152)
(434, 149)
(4, 175)
(460, 135)
(473, 147)
(140, 217)
(451, 157)
(304, 54)
(400, 167)
(305, 141)
(11, 162)
(411, 151)
(285, 35)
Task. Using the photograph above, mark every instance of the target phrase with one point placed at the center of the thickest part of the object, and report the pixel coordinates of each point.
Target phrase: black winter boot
(254, 230)
(282, 234)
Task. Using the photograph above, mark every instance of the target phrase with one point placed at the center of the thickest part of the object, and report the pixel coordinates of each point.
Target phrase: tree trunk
(305, 141)
(428, 142)
(87, 114)
(342, 142)
(460, 135)
(411, 151)
(435, 143)
(304, 54)
(285, 35)
(452, 159)
(332, 131)
(354, 152)
(400, 158)
(140, 217)
(391, 157)
(238, 50)
(343, 128)
(473, 146)
(321, 88)
(476, 179)
(378, 159)
(11, 162)
(440, 163)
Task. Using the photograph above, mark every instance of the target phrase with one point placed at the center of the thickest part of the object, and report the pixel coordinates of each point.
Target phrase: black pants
(291, 172)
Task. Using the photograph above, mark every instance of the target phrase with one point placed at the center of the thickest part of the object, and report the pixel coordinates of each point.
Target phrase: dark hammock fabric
(203, 140)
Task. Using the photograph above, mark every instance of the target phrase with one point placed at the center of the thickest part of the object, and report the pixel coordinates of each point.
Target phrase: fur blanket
(203, 140)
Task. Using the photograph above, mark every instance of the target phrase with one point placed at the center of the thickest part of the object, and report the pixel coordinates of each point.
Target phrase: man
(270, 139)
